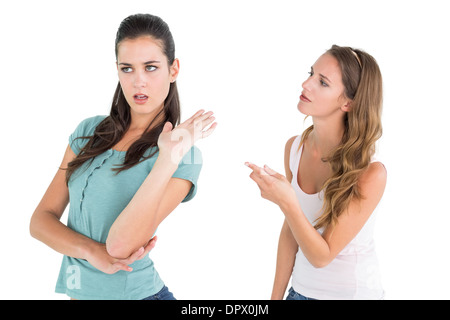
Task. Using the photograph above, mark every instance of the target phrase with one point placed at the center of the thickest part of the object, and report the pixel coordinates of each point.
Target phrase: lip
(140, 98)
(304, 98)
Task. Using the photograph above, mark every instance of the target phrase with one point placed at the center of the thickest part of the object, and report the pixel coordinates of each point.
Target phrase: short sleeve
(189, 169)
(84, 129)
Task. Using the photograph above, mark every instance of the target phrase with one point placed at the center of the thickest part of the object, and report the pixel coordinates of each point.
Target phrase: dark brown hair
(109, 132)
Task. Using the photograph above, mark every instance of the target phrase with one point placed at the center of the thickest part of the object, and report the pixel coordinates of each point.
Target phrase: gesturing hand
(273, 186)
(177, 142)
(101, 260)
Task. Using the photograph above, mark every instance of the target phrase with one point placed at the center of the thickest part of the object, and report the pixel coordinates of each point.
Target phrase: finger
(202, 116)
(195, 115)
(270, 171)
(202, 121)
(210, 130)
(150, 245)
(260, 171)
(206, 122)
(255, 177)
(121, 266)
(167, 127)
(152, 242)
(251, 166)
(273, 173)
(133, 257)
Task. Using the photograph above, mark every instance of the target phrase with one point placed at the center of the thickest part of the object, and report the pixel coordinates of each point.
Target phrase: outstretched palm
(177, 141)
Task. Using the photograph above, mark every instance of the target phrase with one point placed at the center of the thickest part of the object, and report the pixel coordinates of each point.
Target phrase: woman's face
(323, 92)
(144, 74)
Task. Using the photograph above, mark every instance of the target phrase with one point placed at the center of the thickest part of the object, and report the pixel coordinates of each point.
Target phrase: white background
(246, 61)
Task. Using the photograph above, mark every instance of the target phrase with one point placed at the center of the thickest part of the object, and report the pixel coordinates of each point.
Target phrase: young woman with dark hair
(332, 185)
(123, 174)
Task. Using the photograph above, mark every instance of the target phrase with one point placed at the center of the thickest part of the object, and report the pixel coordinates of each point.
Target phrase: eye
(311, 73)
(150, 68)
(323, 83)
(127, 69)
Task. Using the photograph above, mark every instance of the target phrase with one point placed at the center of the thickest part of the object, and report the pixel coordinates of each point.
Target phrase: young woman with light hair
(333, 184)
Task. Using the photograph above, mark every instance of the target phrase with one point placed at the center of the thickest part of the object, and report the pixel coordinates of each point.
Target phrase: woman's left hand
(176, 142)
(274, 186)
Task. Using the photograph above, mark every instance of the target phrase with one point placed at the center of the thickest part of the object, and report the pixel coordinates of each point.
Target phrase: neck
(141, 122)
(326, 136)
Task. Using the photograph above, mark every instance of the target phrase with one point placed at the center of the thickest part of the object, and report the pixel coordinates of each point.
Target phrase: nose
(306, 85)
(140, 81)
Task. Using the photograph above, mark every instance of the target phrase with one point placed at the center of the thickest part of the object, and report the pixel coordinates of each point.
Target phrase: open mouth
(140, 98)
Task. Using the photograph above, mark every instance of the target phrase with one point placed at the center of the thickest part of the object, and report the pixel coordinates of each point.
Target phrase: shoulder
(373, 180)
(288, 146)
(84, 129)
(287, 156)
(88, 125)
(376, 170)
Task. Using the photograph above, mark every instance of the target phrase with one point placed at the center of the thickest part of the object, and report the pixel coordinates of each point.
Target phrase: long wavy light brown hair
(109, 132)
(362, 81)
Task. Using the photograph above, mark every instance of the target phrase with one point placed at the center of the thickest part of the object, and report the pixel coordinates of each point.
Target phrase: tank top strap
(294, 154)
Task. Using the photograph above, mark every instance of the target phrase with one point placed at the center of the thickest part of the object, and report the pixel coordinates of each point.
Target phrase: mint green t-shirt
(97, 197)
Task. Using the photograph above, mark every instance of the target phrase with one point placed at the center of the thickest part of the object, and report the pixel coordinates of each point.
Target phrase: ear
(347, 106)
(174, 70)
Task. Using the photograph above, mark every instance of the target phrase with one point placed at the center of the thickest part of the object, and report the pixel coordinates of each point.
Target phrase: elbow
(319, 262)
(123, 248)
(118, 249)
(33, 227)
(122, 244)
(319, 258)
(32, 230)
(320, 265)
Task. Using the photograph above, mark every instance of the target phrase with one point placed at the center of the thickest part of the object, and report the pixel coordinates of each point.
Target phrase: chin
(301, 108)
(144, 109)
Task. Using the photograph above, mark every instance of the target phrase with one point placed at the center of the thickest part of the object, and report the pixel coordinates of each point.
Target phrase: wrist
(289, 204)
(170, 158)
(88, 249)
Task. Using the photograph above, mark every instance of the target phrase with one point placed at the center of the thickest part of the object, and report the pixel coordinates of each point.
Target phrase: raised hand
(273, 185)
(176, 142)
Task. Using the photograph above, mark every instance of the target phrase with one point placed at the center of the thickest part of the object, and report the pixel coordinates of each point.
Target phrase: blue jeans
(293, 295)
(163, 294)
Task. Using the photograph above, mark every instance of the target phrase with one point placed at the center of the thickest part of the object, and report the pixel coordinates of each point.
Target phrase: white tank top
(354, 273)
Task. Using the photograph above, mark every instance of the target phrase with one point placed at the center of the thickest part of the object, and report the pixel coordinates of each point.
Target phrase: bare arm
(45, 226)
(287, 246)
(159, 194)
(319, 249)
(287, 249)
(155, 199)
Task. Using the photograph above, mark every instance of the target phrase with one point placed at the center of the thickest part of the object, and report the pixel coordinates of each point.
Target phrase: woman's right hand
(176, 142)
(101, 260)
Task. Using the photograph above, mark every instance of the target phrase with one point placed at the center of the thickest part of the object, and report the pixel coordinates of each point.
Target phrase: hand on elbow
(118, 249)
(123, 251)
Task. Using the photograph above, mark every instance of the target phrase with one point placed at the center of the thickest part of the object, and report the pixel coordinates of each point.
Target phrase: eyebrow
(312, 69)
(147, 62)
